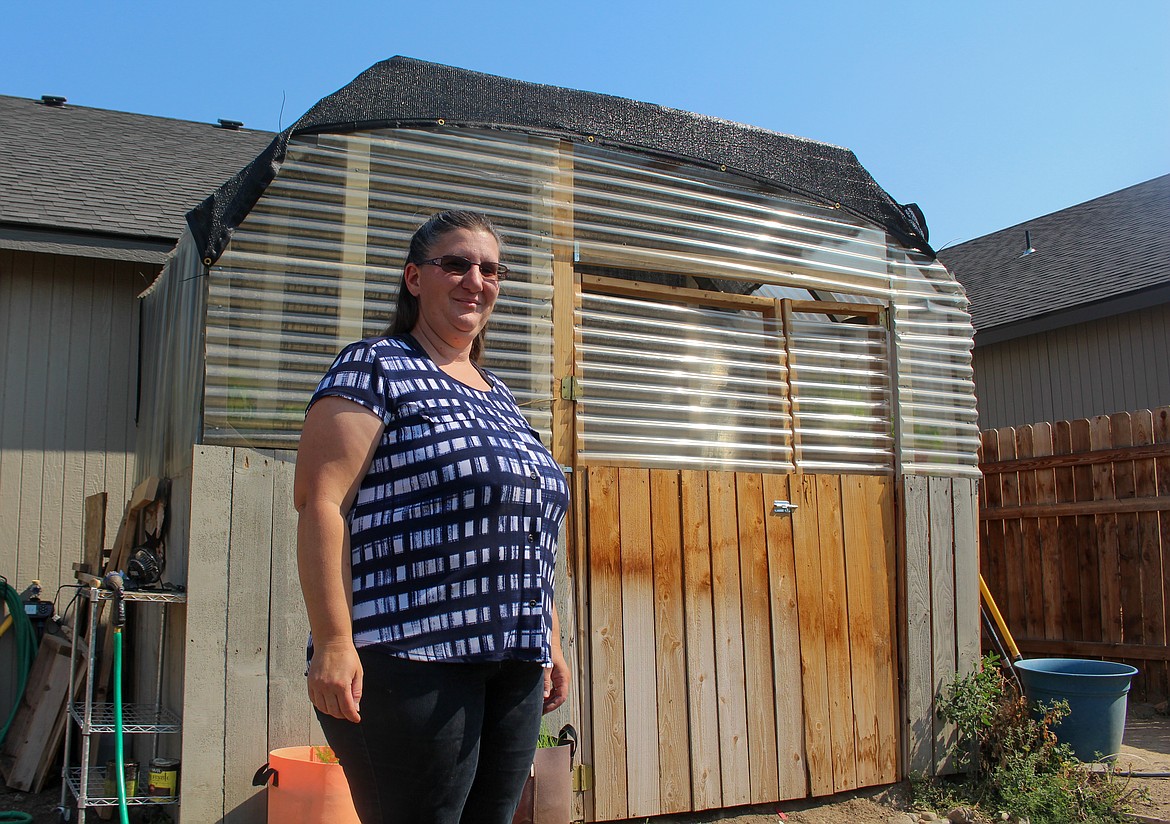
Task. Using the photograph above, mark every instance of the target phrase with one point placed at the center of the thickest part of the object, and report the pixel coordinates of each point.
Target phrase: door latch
(783, 508)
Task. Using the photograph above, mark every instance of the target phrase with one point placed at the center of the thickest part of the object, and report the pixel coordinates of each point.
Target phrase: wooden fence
(1074, 534)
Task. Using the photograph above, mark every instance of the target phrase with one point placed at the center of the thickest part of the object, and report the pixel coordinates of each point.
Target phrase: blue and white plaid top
(453, 533)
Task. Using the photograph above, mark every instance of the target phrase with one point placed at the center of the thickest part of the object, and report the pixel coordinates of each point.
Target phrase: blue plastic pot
(1096, 692)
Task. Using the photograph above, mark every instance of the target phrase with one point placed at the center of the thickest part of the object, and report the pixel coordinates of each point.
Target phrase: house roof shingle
(78, 170)
(1087, 254)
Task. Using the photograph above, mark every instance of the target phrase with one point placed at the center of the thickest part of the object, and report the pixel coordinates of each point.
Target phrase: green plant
(546, 738)
(1013, 759)
(324, 755)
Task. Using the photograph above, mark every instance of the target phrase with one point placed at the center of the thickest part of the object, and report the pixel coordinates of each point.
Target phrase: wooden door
(732, 654)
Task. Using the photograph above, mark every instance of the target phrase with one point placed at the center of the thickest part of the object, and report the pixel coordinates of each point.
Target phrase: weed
(324, 755)
(1013, 760)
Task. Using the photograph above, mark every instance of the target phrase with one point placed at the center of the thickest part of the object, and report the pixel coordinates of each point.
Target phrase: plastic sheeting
(316, 264)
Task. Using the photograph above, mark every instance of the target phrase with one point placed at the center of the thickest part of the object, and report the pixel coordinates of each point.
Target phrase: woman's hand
(335, 680)
(556, 677)
(556, 682)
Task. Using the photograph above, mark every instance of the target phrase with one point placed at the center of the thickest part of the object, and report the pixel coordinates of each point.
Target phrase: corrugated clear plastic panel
(317, 264)
(841, 391)
(936, 391)
(660, 215)
(680, 386)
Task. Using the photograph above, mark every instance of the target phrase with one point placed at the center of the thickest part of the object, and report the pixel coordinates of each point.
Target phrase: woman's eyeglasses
(456, 265)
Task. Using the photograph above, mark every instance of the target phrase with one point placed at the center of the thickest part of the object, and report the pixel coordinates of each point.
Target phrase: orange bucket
(305, 789)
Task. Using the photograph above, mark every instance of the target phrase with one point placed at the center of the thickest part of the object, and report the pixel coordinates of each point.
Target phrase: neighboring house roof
(404, 93)
(100, 183)
(1092, 260)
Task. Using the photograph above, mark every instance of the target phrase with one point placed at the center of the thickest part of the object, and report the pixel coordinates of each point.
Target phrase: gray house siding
(1095, 368)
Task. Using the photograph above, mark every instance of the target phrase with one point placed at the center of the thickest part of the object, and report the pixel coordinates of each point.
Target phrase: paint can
(131, 773)
(163, 779)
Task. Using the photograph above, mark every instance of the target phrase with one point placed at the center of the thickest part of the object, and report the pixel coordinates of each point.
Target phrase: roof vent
(233, 125)
(53, 100)
(1028, 243)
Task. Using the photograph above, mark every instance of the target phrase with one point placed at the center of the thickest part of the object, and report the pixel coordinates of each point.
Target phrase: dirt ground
(1145, 753)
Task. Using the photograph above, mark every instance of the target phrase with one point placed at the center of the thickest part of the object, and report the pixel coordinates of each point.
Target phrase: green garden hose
(26, 651)
(26, 648)
(119, 752)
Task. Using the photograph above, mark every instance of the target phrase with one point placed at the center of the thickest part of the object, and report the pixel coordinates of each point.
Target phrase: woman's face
(455, 307)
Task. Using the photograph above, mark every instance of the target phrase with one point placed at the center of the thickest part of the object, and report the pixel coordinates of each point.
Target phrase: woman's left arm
(556, 677)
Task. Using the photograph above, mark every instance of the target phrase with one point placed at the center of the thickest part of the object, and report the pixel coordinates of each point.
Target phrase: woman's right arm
(337, 446)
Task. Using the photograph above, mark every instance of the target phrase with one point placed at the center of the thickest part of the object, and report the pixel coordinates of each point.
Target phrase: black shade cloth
(405, 93)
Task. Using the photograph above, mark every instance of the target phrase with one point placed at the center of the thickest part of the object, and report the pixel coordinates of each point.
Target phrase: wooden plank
(864, 557)
(885, 601)
(289, 712)
(637, 617)
(919, 684)
(1108, 506)
(1050, 555)
(1135, 452)
(1160, 433)
(992, 539)
(793, 774)
(836, 611)
(204, 686)
(1106, 528)
(30, 742)
(942, 610)
(670, 632)
(94, 540)
(1088, 560)
(674, 294)
(1150, 557)
(813, 665)
(702, 689)
(579, 546)
(1094, 649)
(145, 492)
(249, 588)
(729, 663)
(1069, 587)
(965, 500)
(1032, 565)
(606, 646)
(566, 296)
(1128, 551)
(760, 680)
(1013, 605)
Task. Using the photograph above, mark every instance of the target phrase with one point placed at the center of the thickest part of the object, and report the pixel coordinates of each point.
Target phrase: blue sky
(985, 113)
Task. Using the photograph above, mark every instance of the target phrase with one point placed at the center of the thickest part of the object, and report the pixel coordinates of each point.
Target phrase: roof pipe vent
(53, 100)
(1028, 243)
(233, 125)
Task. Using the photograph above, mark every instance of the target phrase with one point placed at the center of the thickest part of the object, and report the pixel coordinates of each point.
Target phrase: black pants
(439, 743)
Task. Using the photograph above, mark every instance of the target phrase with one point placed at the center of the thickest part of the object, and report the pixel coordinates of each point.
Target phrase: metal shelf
(151, 596)
(97, 778)
(136, 718)
(87, 786)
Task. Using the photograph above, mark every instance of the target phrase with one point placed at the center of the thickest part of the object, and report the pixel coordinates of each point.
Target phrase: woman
(429, 512)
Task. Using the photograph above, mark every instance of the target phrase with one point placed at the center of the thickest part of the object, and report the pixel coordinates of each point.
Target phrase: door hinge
(570, 388)
(582, 778)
